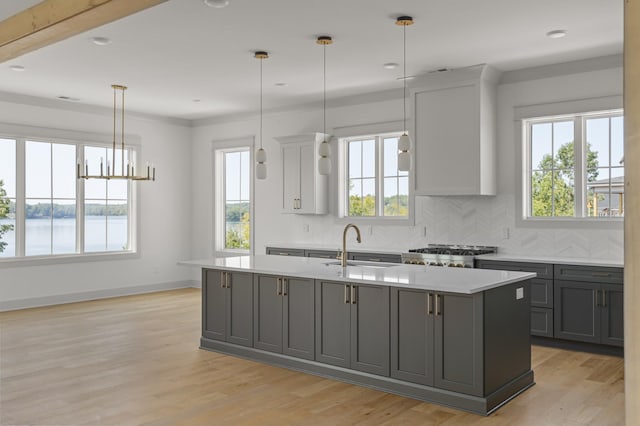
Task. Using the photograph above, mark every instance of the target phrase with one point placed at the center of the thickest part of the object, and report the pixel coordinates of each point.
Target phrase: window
(575, 166)
(233, 205)
(374, 186)
(41, 200)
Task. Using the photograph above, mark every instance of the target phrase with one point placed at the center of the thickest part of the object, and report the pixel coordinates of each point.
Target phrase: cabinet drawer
(324, 254)
(541, 322)
(598, 274)
(542, 293)
(285, 251)
(376, 257)
(543, 270)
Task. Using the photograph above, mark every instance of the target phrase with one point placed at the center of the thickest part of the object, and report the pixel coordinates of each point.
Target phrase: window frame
(611, 107)
(218, 148)
(21, 134)
(361, 132)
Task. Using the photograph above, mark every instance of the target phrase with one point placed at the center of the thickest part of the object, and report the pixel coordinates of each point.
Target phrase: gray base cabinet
(352, 326)
(284, 315)
(437, 339)
(227, 306)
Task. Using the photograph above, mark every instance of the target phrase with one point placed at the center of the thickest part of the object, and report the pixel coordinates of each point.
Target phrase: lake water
(42, 237)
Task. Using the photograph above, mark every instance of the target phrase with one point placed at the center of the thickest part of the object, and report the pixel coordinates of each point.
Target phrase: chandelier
(109, 172)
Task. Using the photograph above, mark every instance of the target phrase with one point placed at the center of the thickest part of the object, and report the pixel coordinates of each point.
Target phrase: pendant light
(261, 154)
(404, 143)
(129, 172)
(324, 150)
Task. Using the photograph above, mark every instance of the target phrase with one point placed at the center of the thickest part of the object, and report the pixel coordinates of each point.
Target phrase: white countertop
(557, 260)
(453, 280)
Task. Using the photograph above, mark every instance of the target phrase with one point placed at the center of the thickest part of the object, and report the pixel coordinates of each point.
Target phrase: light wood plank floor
(135, 360)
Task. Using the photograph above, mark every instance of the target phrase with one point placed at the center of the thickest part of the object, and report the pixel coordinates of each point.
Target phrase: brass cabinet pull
(353, 294)
(604, 298)
(222, 279)
(283, 253)
(285, 285)
(429, 306)
(438, 313)
(278, 286)
(346, 293)
(228, 280)
(601, 274)
(595, 301)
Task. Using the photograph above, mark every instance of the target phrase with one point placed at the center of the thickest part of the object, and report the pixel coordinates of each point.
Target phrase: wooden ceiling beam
(51, 21)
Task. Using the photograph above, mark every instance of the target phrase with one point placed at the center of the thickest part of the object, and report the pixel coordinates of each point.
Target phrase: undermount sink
(365, 264)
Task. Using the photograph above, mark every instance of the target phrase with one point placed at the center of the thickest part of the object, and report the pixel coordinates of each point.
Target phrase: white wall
(460, 220)
(165, 213)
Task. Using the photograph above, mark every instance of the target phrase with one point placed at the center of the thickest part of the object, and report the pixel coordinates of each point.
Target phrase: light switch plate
(519, 293)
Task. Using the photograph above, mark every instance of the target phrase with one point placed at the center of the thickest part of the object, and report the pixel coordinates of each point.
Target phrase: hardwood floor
(135, 360)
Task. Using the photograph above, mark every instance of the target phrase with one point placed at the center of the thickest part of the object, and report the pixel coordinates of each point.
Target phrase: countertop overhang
(444, 279)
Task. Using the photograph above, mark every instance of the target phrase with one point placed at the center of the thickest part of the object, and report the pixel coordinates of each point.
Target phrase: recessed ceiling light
(217, 3)
(409, 77)
(18, 68)
(68, 98)
(557, 33)
(390, 65)
(280, 84)
(101, 41)
(197, 100)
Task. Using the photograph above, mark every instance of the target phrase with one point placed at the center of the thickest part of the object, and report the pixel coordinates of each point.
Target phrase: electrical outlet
(519, 293)
(370, 227)
(305, 227)
(424, 231)
(505, 233)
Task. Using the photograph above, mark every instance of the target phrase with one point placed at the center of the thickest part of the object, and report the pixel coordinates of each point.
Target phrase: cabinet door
(411, 336)
(541, 322)
(239, 315)
(267, 315)
(307, 196)
(370, 329)
(612, 314)
(299, 318)
(459, 343)
(213, 305)
(290, 178)
(576, 314)
(333, 317)
(542, 293)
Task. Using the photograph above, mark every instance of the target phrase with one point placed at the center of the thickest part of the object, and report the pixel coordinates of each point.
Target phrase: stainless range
(457, 256)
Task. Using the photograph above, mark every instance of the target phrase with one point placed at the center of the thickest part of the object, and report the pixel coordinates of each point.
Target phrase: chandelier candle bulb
(86, 167)
(101, 172)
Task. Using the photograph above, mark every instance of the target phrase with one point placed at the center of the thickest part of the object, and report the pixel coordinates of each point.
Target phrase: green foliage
(59, 211)
(4, 212)
(552, 187)
(397, 205)
(238, 238)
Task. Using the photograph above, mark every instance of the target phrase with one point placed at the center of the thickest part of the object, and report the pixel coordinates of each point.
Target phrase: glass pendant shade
(261, 171)
(261, 155)
(325, 149)
(324, 166)
(404, 161)
(404, 143)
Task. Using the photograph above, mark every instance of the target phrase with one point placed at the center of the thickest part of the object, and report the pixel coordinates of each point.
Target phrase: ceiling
(181, 51)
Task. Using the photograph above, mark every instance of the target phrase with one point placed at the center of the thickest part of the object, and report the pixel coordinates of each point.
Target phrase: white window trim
(350, 132)
(606, 104)
(218, 238)
(78, 138)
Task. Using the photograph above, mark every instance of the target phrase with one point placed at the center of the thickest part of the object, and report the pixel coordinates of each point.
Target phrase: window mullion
(580, 153)
(379, 159)
(80, 201)
(20, 197)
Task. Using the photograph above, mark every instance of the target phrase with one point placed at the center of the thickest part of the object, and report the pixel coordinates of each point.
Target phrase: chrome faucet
(343, 256)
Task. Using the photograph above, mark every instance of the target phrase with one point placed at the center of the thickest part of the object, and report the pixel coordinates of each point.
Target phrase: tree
(239, 238)
(552, 185)
(4, 212)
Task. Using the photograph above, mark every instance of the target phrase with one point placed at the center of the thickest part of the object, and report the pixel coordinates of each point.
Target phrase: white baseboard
(58, 299)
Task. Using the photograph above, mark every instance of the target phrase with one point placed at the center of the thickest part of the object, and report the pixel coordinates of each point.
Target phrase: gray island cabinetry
(352, 326)
(227, 306)
(284, 315)
(451, 336)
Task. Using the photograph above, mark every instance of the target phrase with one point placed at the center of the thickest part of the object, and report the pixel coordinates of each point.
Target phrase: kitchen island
(452, 336)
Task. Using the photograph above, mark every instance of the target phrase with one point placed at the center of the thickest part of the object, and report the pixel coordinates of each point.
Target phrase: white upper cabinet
(454, 121)
(304, 190)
